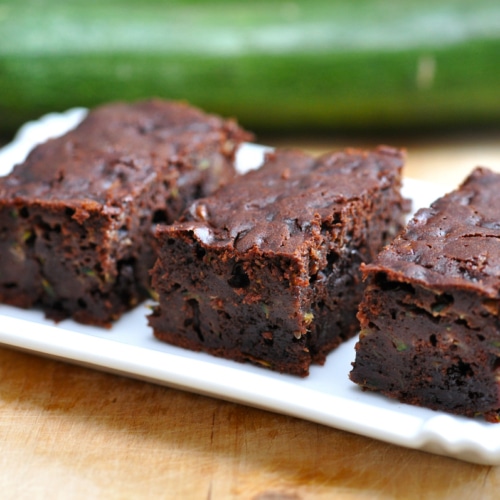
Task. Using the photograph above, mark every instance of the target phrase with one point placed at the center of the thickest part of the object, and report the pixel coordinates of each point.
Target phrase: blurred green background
(310, 66)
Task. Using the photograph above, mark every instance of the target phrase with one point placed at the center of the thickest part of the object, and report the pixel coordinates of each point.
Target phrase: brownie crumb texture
(267, 271)
(76, 217)
(430, 327)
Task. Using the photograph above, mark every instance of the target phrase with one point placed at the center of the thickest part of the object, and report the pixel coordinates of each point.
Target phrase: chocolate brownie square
(267, 270)
(430, 327)
(76, 217)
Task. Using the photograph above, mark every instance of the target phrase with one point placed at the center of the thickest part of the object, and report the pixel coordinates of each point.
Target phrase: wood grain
(71, 432)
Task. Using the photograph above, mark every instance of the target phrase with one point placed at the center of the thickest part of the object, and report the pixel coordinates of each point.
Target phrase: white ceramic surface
(326, 396)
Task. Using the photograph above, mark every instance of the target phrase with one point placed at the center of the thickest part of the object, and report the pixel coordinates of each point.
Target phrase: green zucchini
(275, 65)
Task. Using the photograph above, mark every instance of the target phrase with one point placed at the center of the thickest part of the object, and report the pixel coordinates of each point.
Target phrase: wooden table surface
(69, 432)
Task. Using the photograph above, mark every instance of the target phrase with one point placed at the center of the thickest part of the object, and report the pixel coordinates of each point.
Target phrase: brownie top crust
(116, 150)
(454, 243)
(287, 202)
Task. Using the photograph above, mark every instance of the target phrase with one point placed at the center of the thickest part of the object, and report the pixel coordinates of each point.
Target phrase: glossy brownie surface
(430, 316)
(76, 216)
(267, 270)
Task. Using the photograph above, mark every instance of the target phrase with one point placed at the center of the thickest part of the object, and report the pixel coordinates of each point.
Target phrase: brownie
(430, 327)
(76, 217)
(267, 271)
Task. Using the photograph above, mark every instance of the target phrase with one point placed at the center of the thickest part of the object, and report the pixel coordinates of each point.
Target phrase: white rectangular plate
(326, 396)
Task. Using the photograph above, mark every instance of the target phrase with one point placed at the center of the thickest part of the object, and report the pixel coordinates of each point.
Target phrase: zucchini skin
(312, 65)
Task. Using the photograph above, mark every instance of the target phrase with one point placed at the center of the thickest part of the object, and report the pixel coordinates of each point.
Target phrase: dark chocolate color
(430, 316)
(76, 216)
(267, 270)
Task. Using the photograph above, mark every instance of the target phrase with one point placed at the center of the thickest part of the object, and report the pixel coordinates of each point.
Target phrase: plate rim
(417, 428)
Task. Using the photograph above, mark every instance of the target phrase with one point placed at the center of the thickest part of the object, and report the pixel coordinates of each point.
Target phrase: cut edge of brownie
(430, 328)
(311, 270)
(89, 257)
